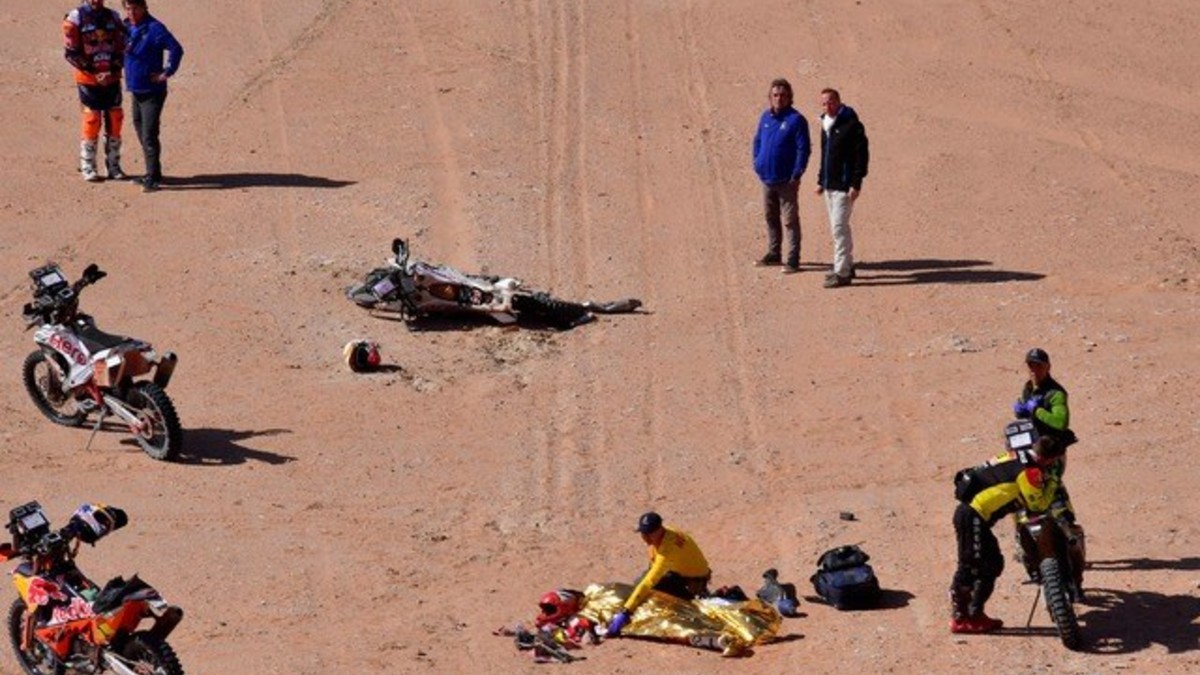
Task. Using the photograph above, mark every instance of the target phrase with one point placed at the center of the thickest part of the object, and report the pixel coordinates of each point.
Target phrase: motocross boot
(87, 161)
(112, 158)
(982, 623)
(967, 610)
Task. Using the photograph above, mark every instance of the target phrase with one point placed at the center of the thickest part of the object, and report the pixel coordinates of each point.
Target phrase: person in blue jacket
(146, 75)
(781, 150)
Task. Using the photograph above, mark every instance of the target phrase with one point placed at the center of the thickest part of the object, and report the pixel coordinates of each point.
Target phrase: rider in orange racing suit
(987, 493)
(95, 47)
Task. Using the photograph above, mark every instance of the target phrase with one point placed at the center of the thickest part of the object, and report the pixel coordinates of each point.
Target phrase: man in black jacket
(844, 158)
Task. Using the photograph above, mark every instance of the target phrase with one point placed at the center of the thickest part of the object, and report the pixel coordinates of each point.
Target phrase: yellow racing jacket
(1006, 485)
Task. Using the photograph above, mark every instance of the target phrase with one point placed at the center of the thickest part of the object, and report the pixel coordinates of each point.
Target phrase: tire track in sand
(553, 42)
(649, 397)
(284, 230)
(703, 114)
(453, 233)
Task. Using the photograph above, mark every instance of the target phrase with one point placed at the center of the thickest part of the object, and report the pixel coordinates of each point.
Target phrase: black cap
(1037, 355)
(649, 522)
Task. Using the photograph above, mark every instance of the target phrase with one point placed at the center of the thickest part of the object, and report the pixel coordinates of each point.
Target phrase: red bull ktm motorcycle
(78, 370)
(415, 289)
(62, 622)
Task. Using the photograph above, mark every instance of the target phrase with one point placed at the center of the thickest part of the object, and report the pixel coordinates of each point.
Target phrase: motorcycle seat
(96, 339)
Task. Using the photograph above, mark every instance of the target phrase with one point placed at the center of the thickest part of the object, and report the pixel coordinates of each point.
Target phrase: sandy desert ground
(1035, 180)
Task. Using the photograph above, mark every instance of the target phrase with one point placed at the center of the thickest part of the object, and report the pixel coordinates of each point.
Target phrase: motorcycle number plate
(383, 287)
(33, 520)
(1020, 441)
(51, 279)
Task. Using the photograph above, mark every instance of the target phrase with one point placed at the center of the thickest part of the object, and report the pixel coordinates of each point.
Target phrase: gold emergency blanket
(714, 623)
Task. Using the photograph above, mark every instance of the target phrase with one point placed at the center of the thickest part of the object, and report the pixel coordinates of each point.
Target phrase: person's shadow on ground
(933, 271)
(222, 447)
(236, 181)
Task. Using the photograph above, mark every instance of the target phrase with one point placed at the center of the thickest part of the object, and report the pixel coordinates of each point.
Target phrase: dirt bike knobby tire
(168, 448)
(16, 624)
(1058, 602)
(558, 313)
(154, 651)
(39, 397)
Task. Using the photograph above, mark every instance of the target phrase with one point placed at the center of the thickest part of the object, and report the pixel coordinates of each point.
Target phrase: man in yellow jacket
(677, 567)
(986, 494)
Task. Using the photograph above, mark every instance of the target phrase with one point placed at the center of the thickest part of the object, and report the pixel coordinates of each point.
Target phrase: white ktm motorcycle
(416, 289)
(78, 369)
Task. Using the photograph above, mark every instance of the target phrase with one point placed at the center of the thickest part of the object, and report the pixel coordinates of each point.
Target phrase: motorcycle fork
(27, 631)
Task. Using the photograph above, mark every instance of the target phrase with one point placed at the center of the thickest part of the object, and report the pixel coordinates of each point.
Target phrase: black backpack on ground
(845, 580)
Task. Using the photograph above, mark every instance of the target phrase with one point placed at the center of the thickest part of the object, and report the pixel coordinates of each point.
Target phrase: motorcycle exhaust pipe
(166, 367)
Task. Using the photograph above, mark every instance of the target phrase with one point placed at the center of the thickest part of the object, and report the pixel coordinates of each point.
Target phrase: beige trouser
(839, 205)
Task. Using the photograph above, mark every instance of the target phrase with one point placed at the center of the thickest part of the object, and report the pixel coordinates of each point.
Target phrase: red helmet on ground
(557, 606)
(362, 355)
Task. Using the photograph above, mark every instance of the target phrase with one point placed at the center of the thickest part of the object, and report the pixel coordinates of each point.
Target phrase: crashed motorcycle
(63, 622)
(1052, 546)
(415, 289)
(78, 369)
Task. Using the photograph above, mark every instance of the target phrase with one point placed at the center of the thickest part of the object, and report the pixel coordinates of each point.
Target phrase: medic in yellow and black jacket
(995, 490)
(677, 566)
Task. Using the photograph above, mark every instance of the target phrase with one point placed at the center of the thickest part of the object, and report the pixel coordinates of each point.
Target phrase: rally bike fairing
(1053, 547)
(416, 289)
(79, 369)
(62, 620)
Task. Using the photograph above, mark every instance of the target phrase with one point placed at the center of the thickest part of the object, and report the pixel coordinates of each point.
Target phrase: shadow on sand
(222, 447)
(931, 271)
(889, 598)
(466, 322)
(235, 181)
(1123, 622)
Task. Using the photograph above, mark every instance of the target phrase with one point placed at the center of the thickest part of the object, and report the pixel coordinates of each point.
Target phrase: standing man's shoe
(768, 260)
(835, 281)
(791, 268)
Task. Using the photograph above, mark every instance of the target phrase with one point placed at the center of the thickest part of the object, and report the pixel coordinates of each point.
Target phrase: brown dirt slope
(1034, 180)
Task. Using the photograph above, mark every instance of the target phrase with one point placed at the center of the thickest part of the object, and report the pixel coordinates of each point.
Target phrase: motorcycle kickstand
(99, 421)
(1029, 621)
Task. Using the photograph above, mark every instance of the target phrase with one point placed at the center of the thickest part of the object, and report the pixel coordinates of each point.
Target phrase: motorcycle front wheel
(38, 659)
(160, 434)
(151, 655)
(1058, 601)
(43, 377)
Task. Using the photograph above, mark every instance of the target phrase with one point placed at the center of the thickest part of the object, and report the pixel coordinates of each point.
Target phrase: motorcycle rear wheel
(163, 436)
(544, 307)
(38, 660)
(43, 376)
(151, 654)
(1058, 602)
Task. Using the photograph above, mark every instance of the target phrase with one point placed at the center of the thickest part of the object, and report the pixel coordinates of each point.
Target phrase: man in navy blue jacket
(146, 79)
(844, 158)
(781, 150)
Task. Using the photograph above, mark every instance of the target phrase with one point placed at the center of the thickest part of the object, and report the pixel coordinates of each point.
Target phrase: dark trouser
(147, 111)
(686, 588)
(782, 210)
(979, 563)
